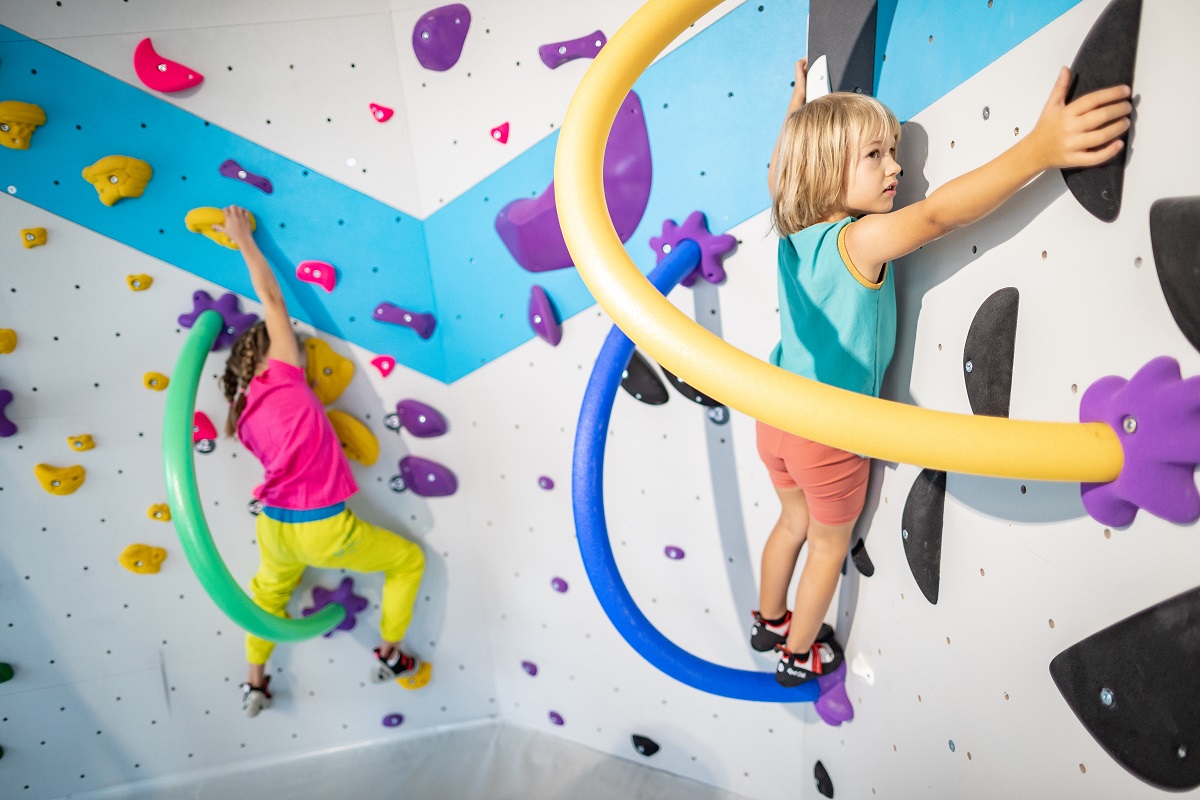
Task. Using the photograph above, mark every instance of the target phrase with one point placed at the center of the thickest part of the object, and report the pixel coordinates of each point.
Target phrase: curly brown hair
(249, 349)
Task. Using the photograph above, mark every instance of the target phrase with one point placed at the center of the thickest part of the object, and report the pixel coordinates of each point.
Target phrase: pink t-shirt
(285, 427)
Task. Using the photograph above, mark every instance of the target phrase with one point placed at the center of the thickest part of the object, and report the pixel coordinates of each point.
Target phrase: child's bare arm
(1082, 134)
(799, 90)
(266, 286)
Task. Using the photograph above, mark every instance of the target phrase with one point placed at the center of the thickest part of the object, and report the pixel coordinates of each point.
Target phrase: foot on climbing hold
(344, 595)
(139, 283)
(162, 74)
(33, 237)
(543, 318)
(421, 420)
(8, 340)
(327, 372)
(118, 177)
(142, 558)
(160, 512)
(7, 426)
(418, 679)
(422, 324)
(60, 480)
(317, 272)
(234, 322)
(18, 121)
(232, 169)
(439, 35)
(81, 442)
(555, 54)
(203, 219)
(358, 443)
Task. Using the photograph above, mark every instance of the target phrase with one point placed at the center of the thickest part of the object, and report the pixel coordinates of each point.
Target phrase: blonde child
(304, 520)
(833, 180)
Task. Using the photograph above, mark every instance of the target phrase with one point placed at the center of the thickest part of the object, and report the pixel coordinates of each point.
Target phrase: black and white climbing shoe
(256, 698)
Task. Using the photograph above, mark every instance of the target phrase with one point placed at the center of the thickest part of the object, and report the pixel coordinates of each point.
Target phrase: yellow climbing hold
(155, 380)
(59, 480)
(424, 672)
(8, 340)
(81, 442)
(160, 512)
(33, 237)
(327, 372)
(139, 283)
(116, 177)
(358, 443)
(18, 121)
(142, 558)
(202, 220)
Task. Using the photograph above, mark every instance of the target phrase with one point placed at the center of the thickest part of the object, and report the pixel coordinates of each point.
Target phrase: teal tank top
(836, 327)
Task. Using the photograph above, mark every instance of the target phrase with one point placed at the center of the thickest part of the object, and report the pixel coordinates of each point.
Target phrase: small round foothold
(1129, 424)
(1106, 696)
(392, 422)
(530, 668)
(546, 482)
(556, 718)
(969, 367)
(393, 720)
(558, 585)
(673, 553)
(397, 484)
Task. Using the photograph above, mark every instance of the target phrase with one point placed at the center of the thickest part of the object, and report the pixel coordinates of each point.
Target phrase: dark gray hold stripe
(921, 531)
(642, 381)
(861, 560)
(1175, 239)
(988, 354)
(822, 779)
(690, 392)
(844, 32)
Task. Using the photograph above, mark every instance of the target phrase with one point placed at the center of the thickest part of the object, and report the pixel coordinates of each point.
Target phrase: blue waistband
(303, 515)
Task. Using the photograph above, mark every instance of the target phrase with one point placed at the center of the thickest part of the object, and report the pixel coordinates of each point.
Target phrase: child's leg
(271, 588)
(781, 551)
(827, 547)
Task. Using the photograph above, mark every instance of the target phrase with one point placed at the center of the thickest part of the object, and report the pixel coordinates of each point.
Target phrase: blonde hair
(814, 154)
(250, 348)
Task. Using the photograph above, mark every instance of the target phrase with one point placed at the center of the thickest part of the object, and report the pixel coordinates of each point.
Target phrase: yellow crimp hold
(139, 283)
(202, 220)
(420, 679)
(327, 372)
(59, 480)
(160, 512)
(155, 380)
(142, 558)
(358, 443)
(33, 237)
(8, 340)
(81, 442)
(116, 177)
(17, 123)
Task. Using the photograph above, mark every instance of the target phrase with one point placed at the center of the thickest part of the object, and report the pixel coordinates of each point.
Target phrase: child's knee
(409, 561)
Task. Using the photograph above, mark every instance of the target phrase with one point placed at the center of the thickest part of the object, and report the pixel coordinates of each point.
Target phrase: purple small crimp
(674, 553)
(555, 54)
(423, 324)
(234, 322)
(427, 478)
(558, 585)
(832, 704)
(439, 35)
(543, 318)
(393, 720)
(1156, 416)
(7, 426)
(546, 482)
(556, 718)
(232, 169)
(421, 420)
(344, 594)
(530, 668)
(713, 248)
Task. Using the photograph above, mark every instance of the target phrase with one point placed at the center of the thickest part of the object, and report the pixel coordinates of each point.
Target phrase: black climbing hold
(1175, 239)
(1104, 59)
(922, 530)
(861, 559)
(1135, 688)
(645, 745)
(821, 778)
(988, 354)
(844, 32)
(641, 381)
(6, 672)
(691, 393)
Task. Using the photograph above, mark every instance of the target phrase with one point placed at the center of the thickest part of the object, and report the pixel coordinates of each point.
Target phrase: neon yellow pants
(339, 542)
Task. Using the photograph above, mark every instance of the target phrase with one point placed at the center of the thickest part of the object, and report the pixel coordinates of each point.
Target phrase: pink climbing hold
(439, 35)
(555, 54)
(500, 133)
(385, 364)
(202, 427)
(318, 272)
(422, 324)
(162, 74)
(7, 426)
(381, 113)
(543, 318)
(343, 594)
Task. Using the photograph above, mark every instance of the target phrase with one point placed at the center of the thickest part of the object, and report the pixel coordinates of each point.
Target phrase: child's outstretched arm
(799, 92)
(1082, 134)
(266, 286)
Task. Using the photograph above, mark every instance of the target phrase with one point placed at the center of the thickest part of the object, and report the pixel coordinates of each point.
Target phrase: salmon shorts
(834, 481)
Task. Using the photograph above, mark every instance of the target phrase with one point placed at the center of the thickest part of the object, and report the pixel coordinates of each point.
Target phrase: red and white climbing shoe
(765, 637)
(793, 670)
(256, 698)
(401, 665)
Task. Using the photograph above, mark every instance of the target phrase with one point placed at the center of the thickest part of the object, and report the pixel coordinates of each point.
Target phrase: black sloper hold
(641, 381)
(989, 352)
(1136, 689)
(821, 778)
(861, 559)
(922, 530)
(645, 745)
(695, 395)
(1175, 239)
(1105, 59)
(844, 31)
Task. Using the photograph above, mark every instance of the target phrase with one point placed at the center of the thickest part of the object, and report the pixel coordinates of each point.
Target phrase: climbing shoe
(765, 637)
(256, 698)
(822, 659)
(400, 665)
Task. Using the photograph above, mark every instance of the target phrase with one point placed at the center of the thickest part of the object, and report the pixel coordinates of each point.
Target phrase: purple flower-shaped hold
(234, 322)
(344, 594)
(713, 248)
(1156, 416)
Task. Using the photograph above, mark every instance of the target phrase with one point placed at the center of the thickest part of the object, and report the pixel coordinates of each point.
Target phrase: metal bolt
(951, 745)
(1106, 696)
(904, 534)
(424, 34)
(666, 248)
(231, 330)
(242, 174)
(537, 319)
(968, 366)
(1129, 424)
(162, 67)
(987, 112)
(562, 51)
(29, 237)
(113, 179)
(1181, 752)
(328, 370)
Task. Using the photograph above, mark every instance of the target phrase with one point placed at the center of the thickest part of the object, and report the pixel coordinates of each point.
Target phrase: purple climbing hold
(542, 316)
(555, 54)
(546, 482)
(832, 704)
(427, 478)
(529, 227)
(439, 35)
(1156, 416)
(232, 169)
(713, 248)
(423, 324)
(421, 420)
(235, 323)
(673, 553)
(7, 426)
(529, 667)
(558, 585)
(343, 594)
(393, 720)
(556, 718)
